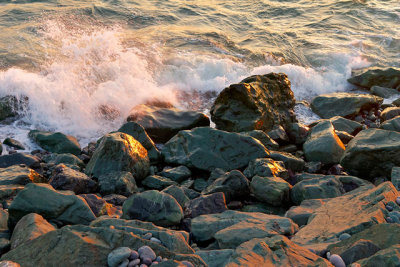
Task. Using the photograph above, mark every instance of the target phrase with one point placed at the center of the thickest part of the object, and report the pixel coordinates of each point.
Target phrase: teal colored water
(72, 57)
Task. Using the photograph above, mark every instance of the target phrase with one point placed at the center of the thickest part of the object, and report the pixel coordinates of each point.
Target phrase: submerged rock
(56, 142)
(206, 148)
(389, 77)
(162, 123)
(257, 103)
(13, 143)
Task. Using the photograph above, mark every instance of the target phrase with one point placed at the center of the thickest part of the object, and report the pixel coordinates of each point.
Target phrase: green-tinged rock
(271, 190)
(42, 199)
(231, 228)
(351, 213)
(327, 187)
(274, 251)
(233, 184)
(389, 77)
(178, 193)
(65, 178)
(13, 143)
(390, 113)
(257, 103)
(384, 91)
(266, 167)
(177, 174)
(122, 183)
(176, 241)
(98, 205)
(119, 152)
(157, 207)
(162, 123)
(67, 159)
(215, 258)
(301, 214)
(206, 148)
(291, 162)
(323, 144)
(19, 175)
(30, 226)
(56, 142)
(395, 177)
(85, 246)
(392, 124)
(372, 153)
(343, 104)
(346, 125)
(264, 138)
(157, 182)
(19, 158)
(139, 133)
(385, 257)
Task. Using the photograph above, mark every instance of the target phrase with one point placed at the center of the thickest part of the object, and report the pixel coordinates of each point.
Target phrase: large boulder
(86, 246)
(119, 152)
(270, 190)
(343, 104)
(206, 148)
(19, 158)
(139, 133)
(392, 124)
(31, 226)
(257, 103)
(208, 204)
(345, 125)
(390, 113)
(178, 193)
(162, 123)
(10, 106)
(65, 178)
(323, 144)
(68, 159)
(385, 257)
(351, 213)
(153, 206)
(20, 175)
(42, 199)
(122, 183)
(56, 142)
(384, 91)
(274, 251)
(372, 153)
(231, 228)
(264, 138)
(389, 77)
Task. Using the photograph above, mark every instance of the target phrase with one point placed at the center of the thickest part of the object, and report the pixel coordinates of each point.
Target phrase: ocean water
(75, 59)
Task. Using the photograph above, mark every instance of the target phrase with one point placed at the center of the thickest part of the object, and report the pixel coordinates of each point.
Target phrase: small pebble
(398, 200)
(155, 240)
(134, 255)
(147, 261)
(158, 259)
(147, 236)
(344, 236)
(187, 264)
(134, 263)
(389, 208)
(328, 255)
(337, 261)
(124, 263)
(118, 255)
(147, 252)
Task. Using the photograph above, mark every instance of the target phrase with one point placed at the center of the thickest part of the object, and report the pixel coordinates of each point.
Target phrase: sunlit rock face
(258, 102)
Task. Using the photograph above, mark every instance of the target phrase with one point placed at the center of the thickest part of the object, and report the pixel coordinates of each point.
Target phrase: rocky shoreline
(260, 189)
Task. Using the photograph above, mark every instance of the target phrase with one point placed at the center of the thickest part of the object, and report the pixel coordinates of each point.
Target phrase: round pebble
(389, 208)
(147, 252)
(328, 255)
(147, 261)
(148, 236)
(134, 262)
(337, 261)
(187, 264)
(124, 263)
(134, 255)
(158, 259)
(155, 240)
(398, 200)
(344, 236)
(118, 255)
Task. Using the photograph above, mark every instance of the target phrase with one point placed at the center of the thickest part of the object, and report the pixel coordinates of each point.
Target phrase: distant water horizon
(70, 58)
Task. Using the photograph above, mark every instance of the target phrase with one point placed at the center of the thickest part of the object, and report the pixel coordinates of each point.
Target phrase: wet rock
(157, 207)
(65, 178)
(10, 106)
(55, 142)
(209, 204)
(119, 152)
(372, 153)
(13, 143)
(343, 104)
(261, 136)
(139, 133)
(384, 92)
(271, 190)
(51, 204)
(323, 144)
(381, 77)
(30, 226)
(163, 123)
(390, 113)
(19, 158)
(266, 167)
(19, 175)
(177, 174)
(206, 148)
(233, 184)
(122, 183)
(157, 182)
(257, 103)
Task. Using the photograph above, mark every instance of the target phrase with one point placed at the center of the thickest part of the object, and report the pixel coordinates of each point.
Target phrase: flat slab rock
(350, 213)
